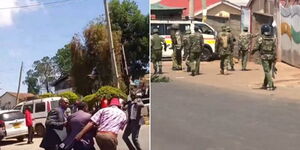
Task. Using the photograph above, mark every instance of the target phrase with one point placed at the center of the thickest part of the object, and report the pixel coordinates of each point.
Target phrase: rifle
(274, 69)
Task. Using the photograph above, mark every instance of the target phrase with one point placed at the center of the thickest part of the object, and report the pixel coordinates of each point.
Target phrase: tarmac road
(189, 116)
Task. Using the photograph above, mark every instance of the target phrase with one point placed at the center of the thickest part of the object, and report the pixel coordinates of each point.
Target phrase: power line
(35, 5)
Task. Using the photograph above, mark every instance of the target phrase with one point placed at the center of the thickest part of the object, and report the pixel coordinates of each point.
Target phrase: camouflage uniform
(186, 46)
(196, 40)
(231, 62)
(177, 46)
(244, 46)
(156, 51)
(266, 45)
(223, 43)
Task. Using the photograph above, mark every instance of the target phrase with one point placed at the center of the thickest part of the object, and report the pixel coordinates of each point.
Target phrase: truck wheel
(20, 138)
(40, 130)
(206, 54)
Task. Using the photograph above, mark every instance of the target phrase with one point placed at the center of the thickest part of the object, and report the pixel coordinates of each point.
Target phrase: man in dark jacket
(55, 126)
(135, 120)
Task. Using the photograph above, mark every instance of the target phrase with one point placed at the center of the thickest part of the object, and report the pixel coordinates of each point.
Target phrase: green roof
(158, 6)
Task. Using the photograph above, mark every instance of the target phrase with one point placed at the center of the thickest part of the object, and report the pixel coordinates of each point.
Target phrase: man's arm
(86, 129)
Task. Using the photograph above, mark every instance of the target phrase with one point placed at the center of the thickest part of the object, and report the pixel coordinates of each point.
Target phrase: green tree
(63, 61)
(126, 17)
(31, 80)
(45, 71)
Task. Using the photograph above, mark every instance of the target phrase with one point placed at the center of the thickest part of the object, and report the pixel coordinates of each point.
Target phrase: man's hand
(78, 136)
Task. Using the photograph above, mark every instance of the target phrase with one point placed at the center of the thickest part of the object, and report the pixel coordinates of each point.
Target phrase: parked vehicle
(12, 125)
(40, 109)
(209, 35)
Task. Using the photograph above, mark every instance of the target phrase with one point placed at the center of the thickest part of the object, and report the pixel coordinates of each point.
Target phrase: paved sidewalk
(287, 79)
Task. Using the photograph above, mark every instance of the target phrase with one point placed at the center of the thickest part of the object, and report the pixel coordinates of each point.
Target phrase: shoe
(193, 73)
(222, 71)
(263, 87)
(225, 72)
(29, 142)
(271, 88)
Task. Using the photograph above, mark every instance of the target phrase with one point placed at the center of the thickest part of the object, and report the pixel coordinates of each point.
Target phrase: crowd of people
(76, 130)
(192, 44)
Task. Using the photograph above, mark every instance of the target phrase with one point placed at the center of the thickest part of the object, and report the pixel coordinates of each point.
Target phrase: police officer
(157, 44)
(223, 43)
(187, 46)
(265, 44)
(196, 40)
(177, 45)
(231, 62)
(244, 46)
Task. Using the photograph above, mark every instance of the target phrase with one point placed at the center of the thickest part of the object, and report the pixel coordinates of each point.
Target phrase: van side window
(26, 106)
(39, 107)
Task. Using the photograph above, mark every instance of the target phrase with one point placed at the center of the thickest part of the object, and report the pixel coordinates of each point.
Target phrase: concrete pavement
(12, 144)
(287, 79)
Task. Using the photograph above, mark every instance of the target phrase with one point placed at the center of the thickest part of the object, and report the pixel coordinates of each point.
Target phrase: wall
(222, 7)
(290, 34)
(7, 101)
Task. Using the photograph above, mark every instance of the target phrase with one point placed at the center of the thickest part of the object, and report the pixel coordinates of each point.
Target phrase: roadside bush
(71, 96)
(46, 95)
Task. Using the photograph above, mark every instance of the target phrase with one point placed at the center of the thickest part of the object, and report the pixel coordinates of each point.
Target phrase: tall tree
(31, 80)
(45, 71)
(63, 61)
(126, 17)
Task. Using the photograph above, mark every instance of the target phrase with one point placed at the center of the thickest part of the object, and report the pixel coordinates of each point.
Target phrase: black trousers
(132, 128)
(30, 133)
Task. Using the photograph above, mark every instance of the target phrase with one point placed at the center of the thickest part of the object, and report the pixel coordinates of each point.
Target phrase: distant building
(8, 99)
(63, 84)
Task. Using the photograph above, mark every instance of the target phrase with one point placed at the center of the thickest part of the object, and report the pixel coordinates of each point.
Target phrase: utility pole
(204, 11)
(111, 44)
(191, 9)
(20, 76)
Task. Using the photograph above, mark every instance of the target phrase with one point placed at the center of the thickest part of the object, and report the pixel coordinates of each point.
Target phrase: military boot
(160, 71)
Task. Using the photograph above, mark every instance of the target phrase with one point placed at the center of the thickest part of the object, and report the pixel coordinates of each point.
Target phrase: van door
(40, 113)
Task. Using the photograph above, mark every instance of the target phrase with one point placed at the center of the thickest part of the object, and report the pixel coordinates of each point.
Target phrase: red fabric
(185, 4)
(115, 102)
(104, 103)
(28, 118)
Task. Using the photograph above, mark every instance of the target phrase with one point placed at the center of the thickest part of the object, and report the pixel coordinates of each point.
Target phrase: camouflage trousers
(156, 56)
(195, 62)
(244, 59)
(231, 62)
(176, 59)
(224, 62)
(267, 66)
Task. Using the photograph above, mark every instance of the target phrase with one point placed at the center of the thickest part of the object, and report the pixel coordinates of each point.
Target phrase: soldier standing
(223, 43)
(265, 44)
(187, 46)
(231, 62)
(196, 40)
(177, 46)
(244, 46)
(156, 51)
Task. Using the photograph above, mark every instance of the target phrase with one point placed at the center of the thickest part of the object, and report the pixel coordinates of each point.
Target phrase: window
(163, 29)
(18, 107)
(205, 29)
(10, 116)
(39, 107)
(28, 105)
